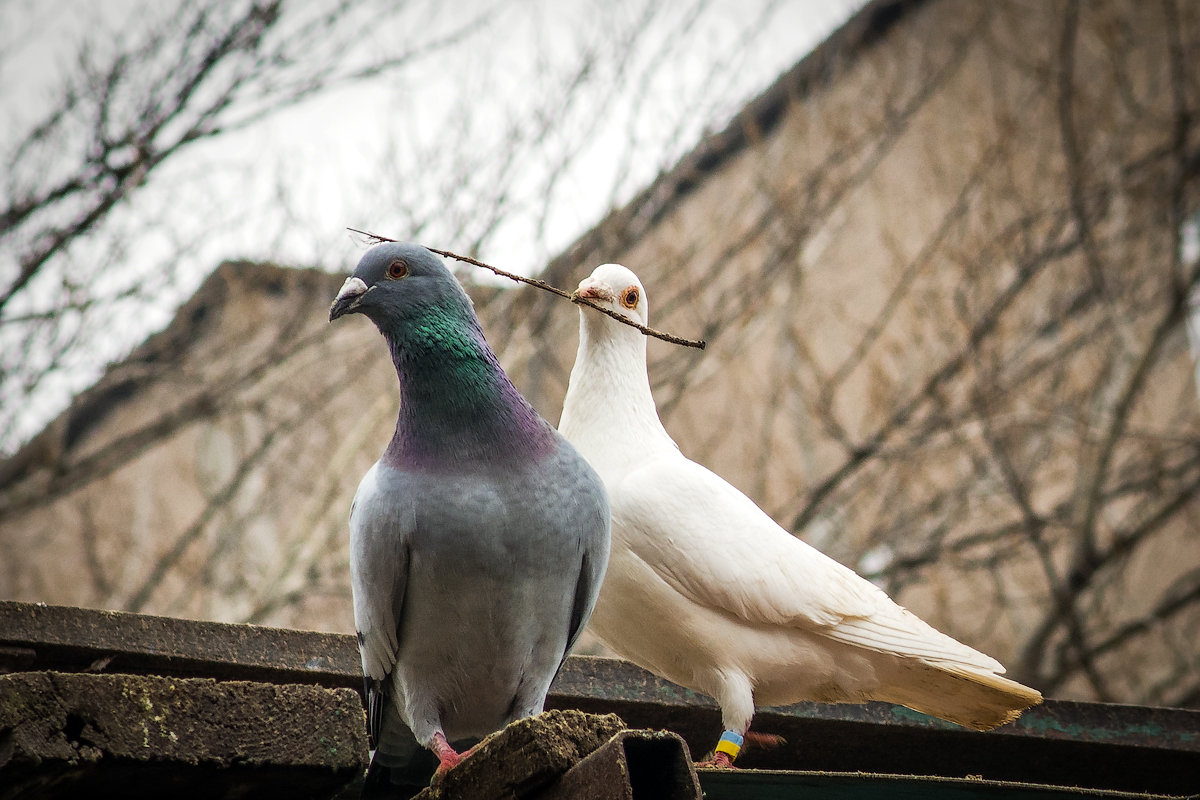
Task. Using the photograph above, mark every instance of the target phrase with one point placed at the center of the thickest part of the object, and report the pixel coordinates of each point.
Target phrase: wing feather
(382, 521)
(717, 548)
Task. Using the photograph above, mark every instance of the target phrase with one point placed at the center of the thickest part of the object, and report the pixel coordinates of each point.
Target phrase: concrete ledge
(523, 758)
(1093, 745)
(145, 736)
(570, 755)
(36, 636)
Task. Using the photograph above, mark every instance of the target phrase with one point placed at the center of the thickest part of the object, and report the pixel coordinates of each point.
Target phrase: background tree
(155, 152)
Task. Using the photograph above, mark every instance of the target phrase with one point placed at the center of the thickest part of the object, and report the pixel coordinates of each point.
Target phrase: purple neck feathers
(458, 410)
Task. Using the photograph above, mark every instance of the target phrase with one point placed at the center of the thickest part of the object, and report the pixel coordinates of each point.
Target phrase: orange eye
(397, 269)
(629, 297)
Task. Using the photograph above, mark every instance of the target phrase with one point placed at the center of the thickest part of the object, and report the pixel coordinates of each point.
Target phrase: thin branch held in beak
(666, 337)
(583, 301)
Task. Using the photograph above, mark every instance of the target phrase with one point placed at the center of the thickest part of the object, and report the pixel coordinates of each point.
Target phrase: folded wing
(718, 549)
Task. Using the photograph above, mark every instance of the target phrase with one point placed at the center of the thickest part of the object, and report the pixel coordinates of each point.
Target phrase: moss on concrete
(525, 756)
(60, 732)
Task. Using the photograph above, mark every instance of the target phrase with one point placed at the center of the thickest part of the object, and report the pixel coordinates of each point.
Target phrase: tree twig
(583, 301)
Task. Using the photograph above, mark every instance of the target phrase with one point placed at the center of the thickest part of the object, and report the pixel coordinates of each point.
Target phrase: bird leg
(727, 749)
(448, 757)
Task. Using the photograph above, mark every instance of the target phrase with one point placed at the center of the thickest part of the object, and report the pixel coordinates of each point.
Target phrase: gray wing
(587, 589)
(593, 525)
(382, 521)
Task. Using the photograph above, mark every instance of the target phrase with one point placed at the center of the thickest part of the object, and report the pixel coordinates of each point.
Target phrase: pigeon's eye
(629, 297)
(397, 269)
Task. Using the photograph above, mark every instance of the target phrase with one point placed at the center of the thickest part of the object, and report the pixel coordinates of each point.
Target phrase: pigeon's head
(394, 282)
(616, 288)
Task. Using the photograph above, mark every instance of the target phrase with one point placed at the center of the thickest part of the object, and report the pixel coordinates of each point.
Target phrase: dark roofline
(757, 119)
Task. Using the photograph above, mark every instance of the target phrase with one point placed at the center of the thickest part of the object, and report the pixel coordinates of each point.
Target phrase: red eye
(629, 297)
(397, 269)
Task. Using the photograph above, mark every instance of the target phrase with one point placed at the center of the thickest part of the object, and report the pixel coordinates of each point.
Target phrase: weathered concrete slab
(64, 735)
(570, 755)
(45, 637)
(526, 756)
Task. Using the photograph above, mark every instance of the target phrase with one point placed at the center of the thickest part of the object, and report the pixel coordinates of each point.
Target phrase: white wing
(716, 547)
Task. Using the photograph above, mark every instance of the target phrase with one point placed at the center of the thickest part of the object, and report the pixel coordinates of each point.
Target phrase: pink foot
(448, 757)
(718, 761)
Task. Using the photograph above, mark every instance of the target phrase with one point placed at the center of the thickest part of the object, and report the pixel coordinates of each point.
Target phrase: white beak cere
(594, 290)
(351, 288)
(347, 297)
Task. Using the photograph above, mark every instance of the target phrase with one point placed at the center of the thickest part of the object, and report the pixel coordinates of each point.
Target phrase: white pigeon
(706, 590)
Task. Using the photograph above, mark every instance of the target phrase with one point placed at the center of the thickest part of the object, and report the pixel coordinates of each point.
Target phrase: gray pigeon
(479, 539)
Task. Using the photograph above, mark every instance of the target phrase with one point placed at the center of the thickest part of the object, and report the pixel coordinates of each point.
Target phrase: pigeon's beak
(593, 291)
(348, 298)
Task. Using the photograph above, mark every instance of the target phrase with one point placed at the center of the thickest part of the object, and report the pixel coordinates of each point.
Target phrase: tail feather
(971, 698)
(400, 765)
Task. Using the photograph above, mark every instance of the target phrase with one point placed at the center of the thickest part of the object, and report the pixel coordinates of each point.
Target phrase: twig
(657, 334)
(583, 301)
